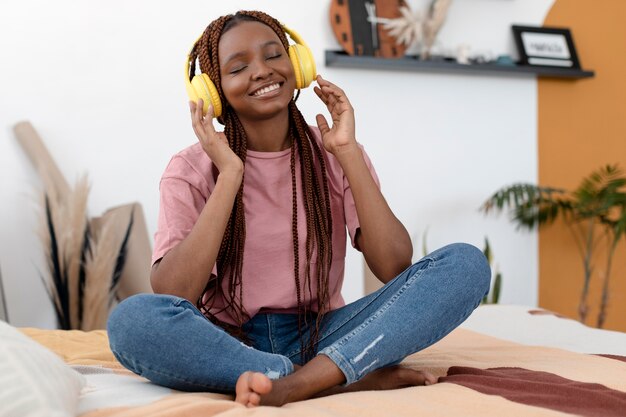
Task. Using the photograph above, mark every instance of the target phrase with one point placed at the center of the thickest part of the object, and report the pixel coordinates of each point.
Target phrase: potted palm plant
(594, 212)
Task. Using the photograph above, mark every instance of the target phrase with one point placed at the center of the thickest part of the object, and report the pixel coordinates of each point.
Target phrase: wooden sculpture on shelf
(358, 26)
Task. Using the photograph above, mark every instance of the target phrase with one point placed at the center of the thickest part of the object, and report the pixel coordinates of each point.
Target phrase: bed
(503, 361)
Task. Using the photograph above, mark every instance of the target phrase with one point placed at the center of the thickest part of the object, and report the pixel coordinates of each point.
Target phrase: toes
(411, 377)
(259, 383)
(429, 378)
(254, 400)
(249, 388)
(243, 398)
(242, 385)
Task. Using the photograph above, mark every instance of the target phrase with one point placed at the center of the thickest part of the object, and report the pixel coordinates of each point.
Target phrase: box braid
(316, 199)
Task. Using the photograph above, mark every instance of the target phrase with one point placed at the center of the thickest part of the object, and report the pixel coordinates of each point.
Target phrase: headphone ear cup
(202, 87)
(303, 65)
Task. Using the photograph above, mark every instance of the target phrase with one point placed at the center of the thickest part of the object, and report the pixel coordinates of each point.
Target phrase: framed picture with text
(546, 47)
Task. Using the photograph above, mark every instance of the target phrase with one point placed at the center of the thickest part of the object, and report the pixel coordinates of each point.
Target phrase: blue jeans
(167, 340)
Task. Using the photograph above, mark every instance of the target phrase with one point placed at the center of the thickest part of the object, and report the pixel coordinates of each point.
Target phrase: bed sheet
(479, 375)
(539, 327)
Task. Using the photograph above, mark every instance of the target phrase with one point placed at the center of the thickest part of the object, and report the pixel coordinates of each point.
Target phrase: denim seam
(333, 350)
(431, 262)
(270, 329)
(193, 308)
(178, 302)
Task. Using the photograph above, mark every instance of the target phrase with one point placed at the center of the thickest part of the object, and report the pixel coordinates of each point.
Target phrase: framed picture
(546, 47)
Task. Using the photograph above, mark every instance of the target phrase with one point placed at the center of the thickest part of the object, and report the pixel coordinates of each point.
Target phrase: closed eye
(274, 56)
(236, 70)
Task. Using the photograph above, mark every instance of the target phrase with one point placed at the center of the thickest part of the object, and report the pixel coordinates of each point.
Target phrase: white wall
(102, 83)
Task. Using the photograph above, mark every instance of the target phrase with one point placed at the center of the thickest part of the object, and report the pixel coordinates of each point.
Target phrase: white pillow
(34, 381)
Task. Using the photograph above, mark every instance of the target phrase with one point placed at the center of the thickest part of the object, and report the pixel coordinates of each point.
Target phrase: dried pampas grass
(104, 265)
(85, 260)
(64, 233)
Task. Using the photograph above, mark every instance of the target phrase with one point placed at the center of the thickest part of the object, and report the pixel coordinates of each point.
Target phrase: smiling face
(257, 77)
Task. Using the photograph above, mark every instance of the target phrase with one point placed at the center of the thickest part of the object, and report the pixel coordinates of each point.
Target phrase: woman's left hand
(340, 136)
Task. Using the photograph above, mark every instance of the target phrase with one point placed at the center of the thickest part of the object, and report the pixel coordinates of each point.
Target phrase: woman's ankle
(308, 381)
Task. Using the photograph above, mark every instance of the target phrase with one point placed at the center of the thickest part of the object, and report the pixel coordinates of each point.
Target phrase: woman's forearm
(185, 270)
(383, 239)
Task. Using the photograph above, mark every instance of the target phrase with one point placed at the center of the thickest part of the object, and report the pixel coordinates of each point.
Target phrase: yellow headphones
(201, 86)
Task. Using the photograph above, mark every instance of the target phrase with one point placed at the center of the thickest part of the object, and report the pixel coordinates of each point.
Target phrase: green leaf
(530, 205)
(487, 251)
(497, 285)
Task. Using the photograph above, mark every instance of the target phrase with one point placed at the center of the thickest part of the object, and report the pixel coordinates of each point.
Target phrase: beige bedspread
(478, 376)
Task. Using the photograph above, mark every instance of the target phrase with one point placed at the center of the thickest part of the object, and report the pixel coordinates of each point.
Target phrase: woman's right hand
(214, 143)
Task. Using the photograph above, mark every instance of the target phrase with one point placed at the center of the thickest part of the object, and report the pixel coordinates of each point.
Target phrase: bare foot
(318, 379)
(254, 388)
(250, 386)
(392, 377)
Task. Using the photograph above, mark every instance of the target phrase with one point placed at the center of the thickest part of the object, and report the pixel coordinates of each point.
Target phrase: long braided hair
(316, 197)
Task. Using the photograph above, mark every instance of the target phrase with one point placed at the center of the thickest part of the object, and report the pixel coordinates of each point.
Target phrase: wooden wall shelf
(339, 59)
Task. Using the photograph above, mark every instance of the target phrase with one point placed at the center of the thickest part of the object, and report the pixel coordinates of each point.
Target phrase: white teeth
(267, 89)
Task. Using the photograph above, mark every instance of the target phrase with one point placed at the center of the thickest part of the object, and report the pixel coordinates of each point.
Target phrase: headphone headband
(188, 76)
(294, 36)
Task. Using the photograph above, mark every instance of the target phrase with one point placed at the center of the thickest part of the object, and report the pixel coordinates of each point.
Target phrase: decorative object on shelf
(435, 19)
(407, 29)
(594, 212)
(91, 262)
(415, 29)
(419, 29)
(505, 60)
(463, 54)
(546, 46)
(357, 26)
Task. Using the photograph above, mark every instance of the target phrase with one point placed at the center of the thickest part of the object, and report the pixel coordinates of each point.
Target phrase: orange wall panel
(582, 126)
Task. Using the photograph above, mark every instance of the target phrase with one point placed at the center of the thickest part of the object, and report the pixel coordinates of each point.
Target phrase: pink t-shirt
(268, 270)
